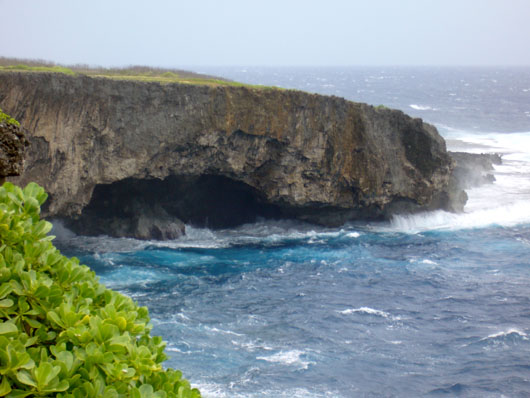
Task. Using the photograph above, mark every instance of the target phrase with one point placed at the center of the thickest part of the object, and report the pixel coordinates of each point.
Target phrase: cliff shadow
(137, 207)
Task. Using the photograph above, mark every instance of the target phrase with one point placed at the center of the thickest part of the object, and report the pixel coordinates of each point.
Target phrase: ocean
(428, 305)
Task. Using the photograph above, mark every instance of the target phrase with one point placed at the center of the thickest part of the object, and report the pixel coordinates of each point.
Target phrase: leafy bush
(62, 333)
(4, 118)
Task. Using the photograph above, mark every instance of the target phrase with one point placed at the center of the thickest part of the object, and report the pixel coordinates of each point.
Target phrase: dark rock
(234, 153)
(13, 145)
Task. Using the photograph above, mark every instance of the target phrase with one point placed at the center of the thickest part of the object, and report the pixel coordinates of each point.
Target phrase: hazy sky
(272, 32)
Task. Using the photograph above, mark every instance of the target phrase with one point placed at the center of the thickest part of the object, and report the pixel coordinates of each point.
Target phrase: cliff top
(136, 73)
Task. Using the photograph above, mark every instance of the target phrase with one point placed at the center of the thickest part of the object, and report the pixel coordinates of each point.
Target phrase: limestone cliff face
(289, 153)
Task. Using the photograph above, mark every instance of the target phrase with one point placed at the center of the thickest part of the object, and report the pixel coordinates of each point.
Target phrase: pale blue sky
(273, 32)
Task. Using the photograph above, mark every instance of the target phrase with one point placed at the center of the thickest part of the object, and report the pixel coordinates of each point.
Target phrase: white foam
(269, 233)
(422, 107)
(503, 203)
(365, 310)
(251, 347)
(506, 333)
(213, 390)
(220, 331)
(514, 146)
(291, 357)
(429, 262)
(506, 216)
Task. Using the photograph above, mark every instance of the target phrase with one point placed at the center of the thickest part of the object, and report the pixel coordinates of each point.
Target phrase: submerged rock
(220, 156)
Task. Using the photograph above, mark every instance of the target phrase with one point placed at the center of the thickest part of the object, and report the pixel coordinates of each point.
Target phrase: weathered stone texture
(13, 145)
(318, 158)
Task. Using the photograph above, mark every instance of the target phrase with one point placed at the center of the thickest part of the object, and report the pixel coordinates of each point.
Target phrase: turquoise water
(435, 304)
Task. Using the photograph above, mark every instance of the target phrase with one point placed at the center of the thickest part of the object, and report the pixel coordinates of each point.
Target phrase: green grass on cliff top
(136, 73)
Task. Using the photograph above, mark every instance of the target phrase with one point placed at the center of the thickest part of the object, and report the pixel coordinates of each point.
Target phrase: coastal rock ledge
(128, 158)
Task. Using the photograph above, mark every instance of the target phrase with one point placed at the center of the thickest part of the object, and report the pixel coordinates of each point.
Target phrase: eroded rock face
(293, 154)
(13, 145)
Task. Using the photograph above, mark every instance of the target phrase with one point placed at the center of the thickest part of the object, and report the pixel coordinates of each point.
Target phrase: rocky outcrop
(13, 145)
(474, 169)
(220, 156)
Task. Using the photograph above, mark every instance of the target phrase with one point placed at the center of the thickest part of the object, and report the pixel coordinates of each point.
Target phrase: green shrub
(62, 333)
(7, 119)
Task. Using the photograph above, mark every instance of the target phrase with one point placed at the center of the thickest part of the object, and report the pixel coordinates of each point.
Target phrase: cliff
(116, 155)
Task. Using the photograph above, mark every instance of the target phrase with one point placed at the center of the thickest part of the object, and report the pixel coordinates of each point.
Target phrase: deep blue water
(435, 304)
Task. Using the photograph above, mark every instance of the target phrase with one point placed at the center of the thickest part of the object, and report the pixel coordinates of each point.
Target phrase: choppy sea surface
(434, 304)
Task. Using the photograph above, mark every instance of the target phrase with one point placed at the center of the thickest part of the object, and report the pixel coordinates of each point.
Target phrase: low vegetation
(138, 73)
(4, 118)
(62, 333)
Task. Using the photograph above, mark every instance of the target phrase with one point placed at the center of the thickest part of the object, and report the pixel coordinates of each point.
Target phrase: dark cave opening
(204, 201)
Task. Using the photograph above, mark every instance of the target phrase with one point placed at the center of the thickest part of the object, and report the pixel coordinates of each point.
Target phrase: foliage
(7, 119)
(62, 333)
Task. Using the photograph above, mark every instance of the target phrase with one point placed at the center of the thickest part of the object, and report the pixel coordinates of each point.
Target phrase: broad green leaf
(33, 323)
(110, 393)
(5, 388)
(44, 376)
(5, 288)
(19, 394)
(6, 303)
(8, 328)
(31, 206)
(32, 190)
(52, 315)
(57, 387)
(25, 378)
(66, 359)
(42, 228)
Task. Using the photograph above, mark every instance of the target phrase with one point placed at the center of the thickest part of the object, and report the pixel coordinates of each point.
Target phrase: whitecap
(221, 331)
(511, 331)
(430, 262)
(217, 390)
(365, 310)
(422, 107)
(507, 216)
(291, 357)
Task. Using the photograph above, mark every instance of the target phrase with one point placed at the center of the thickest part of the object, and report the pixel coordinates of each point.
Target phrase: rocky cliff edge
(138, 159)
